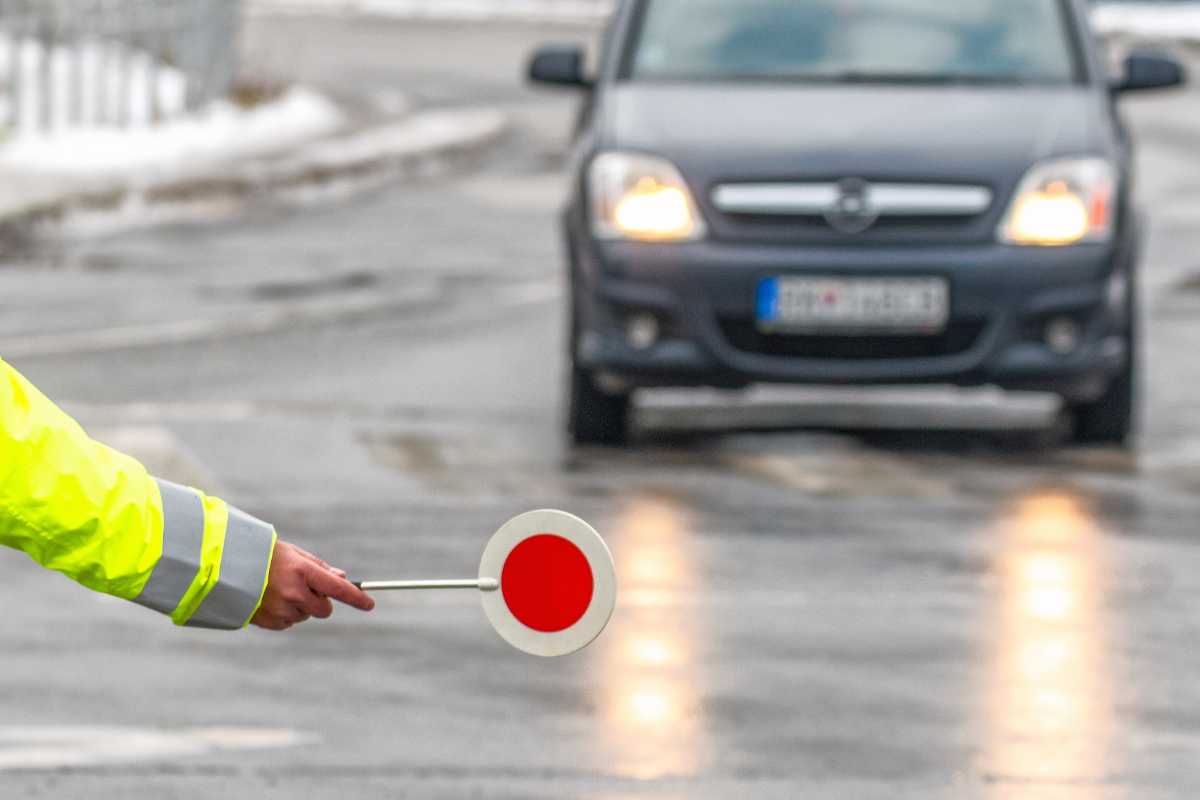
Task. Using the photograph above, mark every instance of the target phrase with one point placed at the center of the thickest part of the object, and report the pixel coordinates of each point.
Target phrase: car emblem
(852, 211)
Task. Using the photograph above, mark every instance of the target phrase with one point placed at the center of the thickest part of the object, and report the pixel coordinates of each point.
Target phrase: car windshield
(853, 40)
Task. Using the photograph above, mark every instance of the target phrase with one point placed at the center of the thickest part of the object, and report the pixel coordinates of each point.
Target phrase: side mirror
(1146, 69)
(559, 66)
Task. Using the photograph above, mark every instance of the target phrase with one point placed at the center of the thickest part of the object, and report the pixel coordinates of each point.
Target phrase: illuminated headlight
(635, 196)
(1062, 202)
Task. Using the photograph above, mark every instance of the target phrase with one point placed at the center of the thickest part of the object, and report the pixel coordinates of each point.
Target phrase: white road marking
(144, 412)
(55, 747)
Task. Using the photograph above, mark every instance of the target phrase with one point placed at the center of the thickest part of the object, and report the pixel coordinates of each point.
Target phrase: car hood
(988, 134)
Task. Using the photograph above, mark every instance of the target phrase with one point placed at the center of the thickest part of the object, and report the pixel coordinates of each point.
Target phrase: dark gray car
(865, 192)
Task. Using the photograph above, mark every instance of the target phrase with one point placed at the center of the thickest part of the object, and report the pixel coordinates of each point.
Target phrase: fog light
(641, 331)
(1062, 335)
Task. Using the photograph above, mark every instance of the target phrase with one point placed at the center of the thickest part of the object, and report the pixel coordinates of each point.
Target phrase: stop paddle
(546, 580)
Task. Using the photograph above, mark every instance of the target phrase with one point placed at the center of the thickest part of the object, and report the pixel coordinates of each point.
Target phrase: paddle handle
(482, 584)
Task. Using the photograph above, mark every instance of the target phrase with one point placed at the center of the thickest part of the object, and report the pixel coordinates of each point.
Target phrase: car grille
(768, 223)
(958, 337)
(895, 212)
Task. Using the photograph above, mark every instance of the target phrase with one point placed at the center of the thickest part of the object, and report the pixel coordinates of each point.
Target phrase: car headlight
(635, 196)
(1062, 202)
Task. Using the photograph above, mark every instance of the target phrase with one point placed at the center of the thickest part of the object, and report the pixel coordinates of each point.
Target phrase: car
(852, 193)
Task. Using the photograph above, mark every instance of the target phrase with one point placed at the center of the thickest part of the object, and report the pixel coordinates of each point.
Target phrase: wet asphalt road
(833, 612)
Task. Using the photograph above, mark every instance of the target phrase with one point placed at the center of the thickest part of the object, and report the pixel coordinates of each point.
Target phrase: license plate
(853, 305)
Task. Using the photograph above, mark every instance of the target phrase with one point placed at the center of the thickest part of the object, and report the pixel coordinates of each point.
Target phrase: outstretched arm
(96, 515)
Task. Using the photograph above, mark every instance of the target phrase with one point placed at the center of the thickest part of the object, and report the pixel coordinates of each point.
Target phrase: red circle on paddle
(547, 583)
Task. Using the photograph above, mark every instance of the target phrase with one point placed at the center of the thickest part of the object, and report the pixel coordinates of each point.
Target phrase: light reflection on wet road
(1050, 695)
(650, 673)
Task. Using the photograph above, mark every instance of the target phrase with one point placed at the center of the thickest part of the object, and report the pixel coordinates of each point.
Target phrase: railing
(75, 63)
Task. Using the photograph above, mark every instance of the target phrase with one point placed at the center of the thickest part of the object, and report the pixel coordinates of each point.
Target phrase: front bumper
(1001, 299)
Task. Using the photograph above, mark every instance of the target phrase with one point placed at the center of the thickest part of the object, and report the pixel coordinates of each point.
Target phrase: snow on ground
(101, 101)
(1163, 20)
(177, 147)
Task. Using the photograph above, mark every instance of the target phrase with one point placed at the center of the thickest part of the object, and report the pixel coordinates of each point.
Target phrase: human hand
(300, 586)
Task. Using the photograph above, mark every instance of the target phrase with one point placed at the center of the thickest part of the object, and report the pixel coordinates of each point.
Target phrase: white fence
(71, 63)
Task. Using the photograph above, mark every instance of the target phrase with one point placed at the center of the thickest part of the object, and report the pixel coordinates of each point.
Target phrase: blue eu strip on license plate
(767, 301)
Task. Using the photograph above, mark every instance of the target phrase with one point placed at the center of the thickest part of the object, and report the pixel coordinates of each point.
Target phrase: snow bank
(1177, 20)
(178, 147)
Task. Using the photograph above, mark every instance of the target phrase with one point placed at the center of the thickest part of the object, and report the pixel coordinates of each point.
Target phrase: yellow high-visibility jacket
(97, 516)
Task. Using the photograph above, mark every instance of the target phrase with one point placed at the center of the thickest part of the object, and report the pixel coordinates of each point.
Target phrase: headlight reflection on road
(653, 651)
(650, 706)
(1050, 712)
(652, 717)
(652, 555)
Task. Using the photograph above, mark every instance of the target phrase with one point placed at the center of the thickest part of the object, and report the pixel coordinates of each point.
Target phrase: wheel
(1112, 418)
(594, 416)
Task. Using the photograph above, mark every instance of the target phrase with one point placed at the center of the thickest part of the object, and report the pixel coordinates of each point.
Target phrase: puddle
(885, 465)
(816, 464)
(406, 452)
(1188, 283)
(288, 290)
(865, 476)
(475, 464)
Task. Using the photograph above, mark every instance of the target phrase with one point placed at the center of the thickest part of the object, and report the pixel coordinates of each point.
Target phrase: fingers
(323, 608)
(315, 605)
(283, 619)
(320, 562)
(299, 588)
(340, 589)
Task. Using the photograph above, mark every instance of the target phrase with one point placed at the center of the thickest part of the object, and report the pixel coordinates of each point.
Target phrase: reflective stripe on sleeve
(244, 562)
(183, 537)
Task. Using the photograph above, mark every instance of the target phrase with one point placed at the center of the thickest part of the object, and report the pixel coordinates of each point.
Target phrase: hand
(299, 586)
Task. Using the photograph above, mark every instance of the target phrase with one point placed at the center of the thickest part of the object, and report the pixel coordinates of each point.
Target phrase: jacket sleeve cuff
(241, 579)
(229, 567)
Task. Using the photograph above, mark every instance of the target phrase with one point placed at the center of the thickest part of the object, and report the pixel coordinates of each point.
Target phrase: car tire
(1112, 418)
(596, 417)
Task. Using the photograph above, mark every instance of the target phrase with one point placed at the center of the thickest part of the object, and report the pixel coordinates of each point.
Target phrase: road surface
(834, 609)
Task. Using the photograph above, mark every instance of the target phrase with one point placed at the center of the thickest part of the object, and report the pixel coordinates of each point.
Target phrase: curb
(426, 139)
(421, 143)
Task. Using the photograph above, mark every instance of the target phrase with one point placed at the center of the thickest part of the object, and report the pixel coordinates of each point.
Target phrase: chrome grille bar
(884, 199)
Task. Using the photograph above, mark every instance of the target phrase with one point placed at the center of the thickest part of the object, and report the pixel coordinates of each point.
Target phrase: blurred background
(306, 254)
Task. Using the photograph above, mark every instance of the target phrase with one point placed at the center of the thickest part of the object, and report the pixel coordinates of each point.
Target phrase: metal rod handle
(482, 584)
